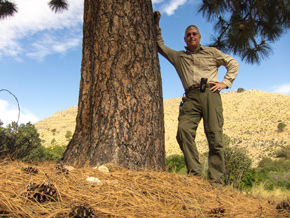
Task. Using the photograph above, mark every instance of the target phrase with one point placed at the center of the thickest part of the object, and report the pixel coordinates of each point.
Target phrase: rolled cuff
(227, 83)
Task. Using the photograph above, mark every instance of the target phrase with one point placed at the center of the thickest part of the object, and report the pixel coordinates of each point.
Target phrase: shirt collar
(200, 49)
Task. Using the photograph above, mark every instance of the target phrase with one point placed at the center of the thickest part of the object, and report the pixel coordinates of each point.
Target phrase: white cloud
(170, 7)
(49, 44)
(36, 31)
(9, 113)
(283, 89)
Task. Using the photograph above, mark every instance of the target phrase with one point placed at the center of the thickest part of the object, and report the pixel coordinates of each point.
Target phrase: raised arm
(168, 53)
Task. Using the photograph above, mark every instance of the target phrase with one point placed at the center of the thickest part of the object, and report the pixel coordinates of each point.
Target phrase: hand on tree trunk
(157, 16)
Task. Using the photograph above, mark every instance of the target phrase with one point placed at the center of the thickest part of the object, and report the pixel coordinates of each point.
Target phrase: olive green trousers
(206, 105)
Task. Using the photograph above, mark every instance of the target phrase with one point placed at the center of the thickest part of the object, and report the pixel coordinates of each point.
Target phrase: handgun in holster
(180, 106)
(203, 83)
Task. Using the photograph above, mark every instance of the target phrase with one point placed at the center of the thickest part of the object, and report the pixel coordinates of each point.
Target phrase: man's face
(192, 39)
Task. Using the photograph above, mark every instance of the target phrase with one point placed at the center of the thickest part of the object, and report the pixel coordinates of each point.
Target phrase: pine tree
(247, 27)
(120, 110)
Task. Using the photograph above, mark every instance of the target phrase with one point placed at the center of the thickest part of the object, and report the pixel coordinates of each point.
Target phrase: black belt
(195, 86)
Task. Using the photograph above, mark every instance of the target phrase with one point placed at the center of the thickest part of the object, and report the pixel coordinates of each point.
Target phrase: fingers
(157, 15)
(216, 87)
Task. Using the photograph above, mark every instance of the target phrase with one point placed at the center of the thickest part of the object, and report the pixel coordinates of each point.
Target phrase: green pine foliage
(58, 5)
(246, 28)
(7, 9)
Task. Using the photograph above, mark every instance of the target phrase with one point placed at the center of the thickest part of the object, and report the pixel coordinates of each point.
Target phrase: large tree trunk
(120, 111)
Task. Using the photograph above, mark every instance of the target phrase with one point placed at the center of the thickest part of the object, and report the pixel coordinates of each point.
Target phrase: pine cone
(30, 170)
(218, 210)
(283, 205)
(62, 169)
(82, 211)
(41, 193)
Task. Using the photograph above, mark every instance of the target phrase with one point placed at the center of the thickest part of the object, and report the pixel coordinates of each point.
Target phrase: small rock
(95, 180)
(112, 182)
(103, 169)
(70, 168)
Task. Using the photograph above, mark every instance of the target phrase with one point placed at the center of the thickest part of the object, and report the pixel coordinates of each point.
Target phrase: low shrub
(281, 127)
(240, 90)
(284, 153)
(237, 163)
(54, 153)
(23, 143)
(19, 141)
(268, 165)
(249, 178)
(176, 163)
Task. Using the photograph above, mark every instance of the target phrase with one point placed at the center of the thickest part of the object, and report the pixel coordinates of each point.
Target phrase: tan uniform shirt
(204, 63)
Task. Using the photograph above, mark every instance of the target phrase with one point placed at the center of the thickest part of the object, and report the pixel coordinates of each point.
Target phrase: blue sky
(40, 57)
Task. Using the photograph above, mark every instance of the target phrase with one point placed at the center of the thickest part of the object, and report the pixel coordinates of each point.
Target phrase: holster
(203, 83)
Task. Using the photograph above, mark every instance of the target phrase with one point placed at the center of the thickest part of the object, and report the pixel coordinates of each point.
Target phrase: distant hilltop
(251, 120)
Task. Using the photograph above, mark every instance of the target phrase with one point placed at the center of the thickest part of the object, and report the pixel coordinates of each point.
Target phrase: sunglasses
(193, 34)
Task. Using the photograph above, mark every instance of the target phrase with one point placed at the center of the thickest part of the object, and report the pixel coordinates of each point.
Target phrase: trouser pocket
(213, 112)
(219, 110)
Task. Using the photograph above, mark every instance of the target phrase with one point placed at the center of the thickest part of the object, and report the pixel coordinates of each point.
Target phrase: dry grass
(277, 194)
(123, 193)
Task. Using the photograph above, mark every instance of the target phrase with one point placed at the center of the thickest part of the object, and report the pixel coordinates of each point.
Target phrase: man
(197, 68)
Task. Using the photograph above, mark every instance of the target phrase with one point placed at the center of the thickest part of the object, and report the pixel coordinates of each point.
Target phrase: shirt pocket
(205, 63)
(187, 61)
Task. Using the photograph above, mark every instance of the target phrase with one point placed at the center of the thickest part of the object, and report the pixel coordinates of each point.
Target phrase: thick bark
(120, 110)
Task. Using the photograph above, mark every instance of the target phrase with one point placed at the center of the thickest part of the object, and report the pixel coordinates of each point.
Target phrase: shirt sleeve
(232, 67)
(170, 54)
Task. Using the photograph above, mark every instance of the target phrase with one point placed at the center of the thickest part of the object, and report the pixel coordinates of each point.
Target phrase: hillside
(251, 120)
